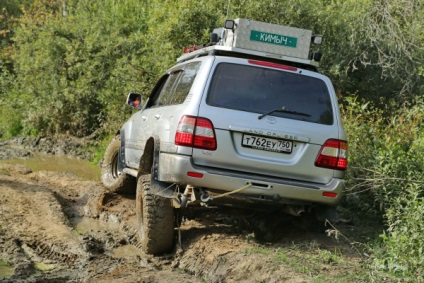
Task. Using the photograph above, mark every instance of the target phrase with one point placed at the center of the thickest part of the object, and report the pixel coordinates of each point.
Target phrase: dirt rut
(56, 227)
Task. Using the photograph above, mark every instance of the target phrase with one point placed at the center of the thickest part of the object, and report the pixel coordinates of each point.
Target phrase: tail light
(195, 132)
(333, 155)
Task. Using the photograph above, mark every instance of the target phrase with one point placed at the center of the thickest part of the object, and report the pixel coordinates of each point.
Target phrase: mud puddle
(58, 163)
(92, 226)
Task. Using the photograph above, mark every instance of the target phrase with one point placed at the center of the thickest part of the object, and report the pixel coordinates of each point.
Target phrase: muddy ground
(57, 227)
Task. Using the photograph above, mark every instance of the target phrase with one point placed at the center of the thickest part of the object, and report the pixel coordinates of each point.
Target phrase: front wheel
(155, 216)
(114, 180)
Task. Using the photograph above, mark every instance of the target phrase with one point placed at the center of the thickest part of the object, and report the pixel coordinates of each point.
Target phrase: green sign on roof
(273, 38)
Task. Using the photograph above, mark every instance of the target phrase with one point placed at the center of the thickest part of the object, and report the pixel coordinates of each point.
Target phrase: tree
(74, 61)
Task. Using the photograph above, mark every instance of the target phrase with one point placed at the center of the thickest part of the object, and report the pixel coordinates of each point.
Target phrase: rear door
(269, 119)
(159, 118)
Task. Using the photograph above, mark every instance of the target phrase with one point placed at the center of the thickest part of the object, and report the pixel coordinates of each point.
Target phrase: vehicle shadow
(261, 227)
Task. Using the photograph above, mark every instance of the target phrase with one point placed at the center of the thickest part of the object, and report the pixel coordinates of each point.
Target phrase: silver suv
(232, 124)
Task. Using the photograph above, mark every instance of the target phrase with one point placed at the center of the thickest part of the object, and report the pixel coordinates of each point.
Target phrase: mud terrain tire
(155, 216)
(112, 179)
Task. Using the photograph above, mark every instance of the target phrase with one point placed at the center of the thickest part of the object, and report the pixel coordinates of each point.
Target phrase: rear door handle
(143, 118)
(157, 116)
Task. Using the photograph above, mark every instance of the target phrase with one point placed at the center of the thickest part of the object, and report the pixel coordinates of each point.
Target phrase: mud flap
(158, 188)
(163, 190)
(121, 160)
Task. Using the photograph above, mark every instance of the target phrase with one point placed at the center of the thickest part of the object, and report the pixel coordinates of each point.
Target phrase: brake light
(273, 65)
(333, 155)
(195, 174)
(329, 194)
(195, 132)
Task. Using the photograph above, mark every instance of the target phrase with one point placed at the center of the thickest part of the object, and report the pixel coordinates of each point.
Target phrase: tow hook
(193, 195)
(204, 197)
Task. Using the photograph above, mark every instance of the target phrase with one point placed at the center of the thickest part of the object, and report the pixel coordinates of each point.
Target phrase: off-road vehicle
(246, 119)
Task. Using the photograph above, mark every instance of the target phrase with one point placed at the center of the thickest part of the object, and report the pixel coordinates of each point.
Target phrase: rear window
(261, 90)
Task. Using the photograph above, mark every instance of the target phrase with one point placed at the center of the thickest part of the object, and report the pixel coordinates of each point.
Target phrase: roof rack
(246, 38)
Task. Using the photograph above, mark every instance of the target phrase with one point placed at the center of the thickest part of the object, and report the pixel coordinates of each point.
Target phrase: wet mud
(58, 227)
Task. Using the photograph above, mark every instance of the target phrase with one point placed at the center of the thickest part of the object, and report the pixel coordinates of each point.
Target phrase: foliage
(10, 10)
(10, 124)
(4, 262)
(70, 68)
(66, 66)
(73, 61)
(387, 176)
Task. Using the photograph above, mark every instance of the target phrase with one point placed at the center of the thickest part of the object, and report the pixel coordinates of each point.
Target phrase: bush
(387, 175)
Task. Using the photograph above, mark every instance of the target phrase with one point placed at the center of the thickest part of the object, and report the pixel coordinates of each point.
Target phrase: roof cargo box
(269, 38)
(252, 39)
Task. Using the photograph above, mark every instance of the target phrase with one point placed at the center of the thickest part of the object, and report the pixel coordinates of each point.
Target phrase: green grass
(323, 265)
(4, 262)
(100, 149)
(315, 262)
(6, 268)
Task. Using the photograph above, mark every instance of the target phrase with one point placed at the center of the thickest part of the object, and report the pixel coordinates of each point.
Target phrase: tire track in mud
(32, 218)
(38, 216)
(36, 220)
(35, 230)
(54, 252)
(58, 200)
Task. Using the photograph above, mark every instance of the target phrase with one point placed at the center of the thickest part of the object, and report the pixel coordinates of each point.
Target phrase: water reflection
(40, 162)
(86, 224)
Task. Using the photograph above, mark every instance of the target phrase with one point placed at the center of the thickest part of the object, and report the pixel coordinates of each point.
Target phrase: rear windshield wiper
(284, 110)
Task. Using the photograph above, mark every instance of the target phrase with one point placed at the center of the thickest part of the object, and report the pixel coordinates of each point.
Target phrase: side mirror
(134, 100)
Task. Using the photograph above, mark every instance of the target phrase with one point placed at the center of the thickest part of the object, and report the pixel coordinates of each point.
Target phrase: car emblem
(271, 120)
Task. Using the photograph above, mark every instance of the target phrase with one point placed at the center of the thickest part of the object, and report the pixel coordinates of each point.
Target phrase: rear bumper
(173, 168)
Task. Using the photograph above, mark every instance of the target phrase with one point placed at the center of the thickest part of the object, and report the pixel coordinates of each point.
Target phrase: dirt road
(56, 227)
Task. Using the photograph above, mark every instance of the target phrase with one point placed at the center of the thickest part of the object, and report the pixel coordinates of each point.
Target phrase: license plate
(268, 144)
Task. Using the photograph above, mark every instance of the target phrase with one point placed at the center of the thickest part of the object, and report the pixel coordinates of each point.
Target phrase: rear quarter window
(186, 81)
(260, 90)
(177, 85)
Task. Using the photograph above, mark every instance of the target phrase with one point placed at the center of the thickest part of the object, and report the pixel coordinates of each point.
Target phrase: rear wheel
(155, 216)
(316, 219)
(114, 180)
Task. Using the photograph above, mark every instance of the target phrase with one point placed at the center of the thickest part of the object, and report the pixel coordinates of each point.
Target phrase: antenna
(228, 9)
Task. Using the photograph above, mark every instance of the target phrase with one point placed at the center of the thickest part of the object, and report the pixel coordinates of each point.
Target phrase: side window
(168, 89)
(154, 95)
(186, 81)
(175, 87)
